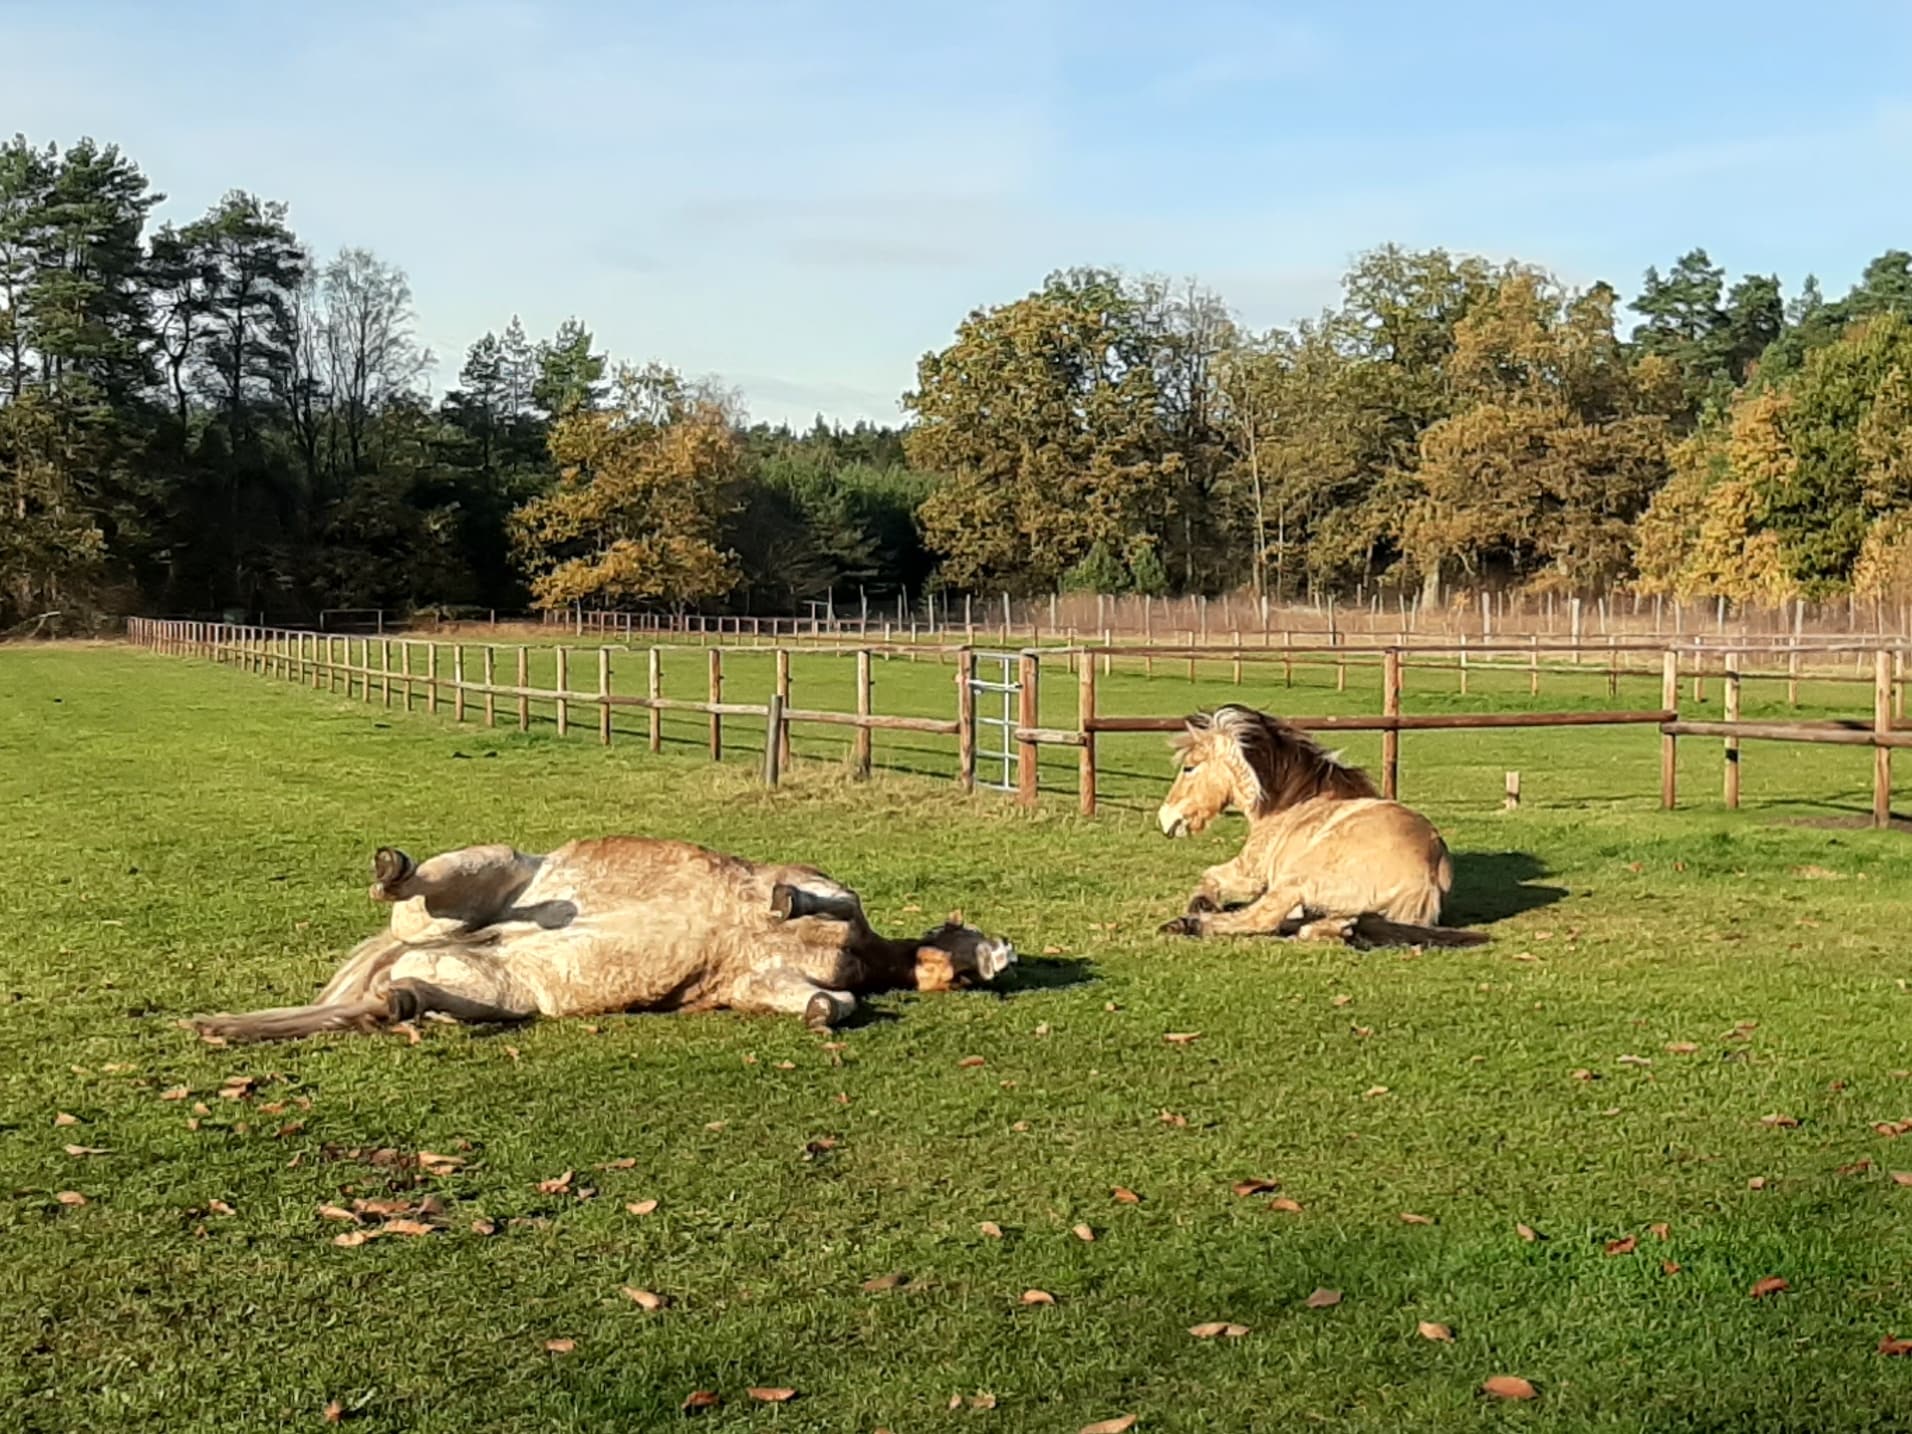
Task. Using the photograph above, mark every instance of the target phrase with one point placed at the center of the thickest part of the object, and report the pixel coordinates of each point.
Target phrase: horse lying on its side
(614, 924)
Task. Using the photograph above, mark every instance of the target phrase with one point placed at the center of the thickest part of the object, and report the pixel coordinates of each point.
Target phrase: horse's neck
(887, 964)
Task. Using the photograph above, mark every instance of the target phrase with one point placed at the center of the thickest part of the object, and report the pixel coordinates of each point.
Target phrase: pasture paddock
(183, 837)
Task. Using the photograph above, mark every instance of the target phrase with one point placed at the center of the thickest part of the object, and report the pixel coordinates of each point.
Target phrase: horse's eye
(1188, 771)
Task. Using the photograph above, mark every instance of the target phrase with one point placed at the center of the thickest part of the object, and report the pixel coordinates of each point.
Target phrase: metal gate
(987, 724)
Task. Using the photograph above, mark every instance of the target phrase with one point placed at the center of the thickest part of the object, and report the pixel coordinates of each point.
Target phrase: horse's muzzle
(1172, 822)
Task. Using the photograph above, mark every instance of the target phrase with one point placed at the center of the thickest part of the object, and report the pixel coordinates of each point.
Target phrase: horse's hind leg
(787, 991)
(1275, 914)
(465, 986)
(804, 893)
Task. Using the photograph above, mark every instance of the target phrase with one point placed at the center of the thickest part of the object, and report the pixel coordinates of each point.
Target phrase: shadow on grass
(1491, 886)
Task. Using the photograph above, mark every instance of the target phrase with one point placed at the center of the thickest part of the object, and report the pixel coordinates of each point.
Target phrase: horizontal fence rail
(412, 671)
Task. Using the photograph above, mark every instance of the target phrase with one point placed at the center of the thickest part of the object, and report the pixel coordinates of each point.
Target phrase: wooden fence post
(1391, 739)
(1235, 636)
(1882, 726)
(604, 695)
(1613, 665)
(365, 667)
(458, 682)
(491, 683)
(524, 689)
(1792, 676)
(1028, 714)
(865, 738)
(1085, 722)
(1533, 665)
(431, 676)
(1463, 650)
(404, 670)
(716, 696)
(1731, 745)
(773, 742)
(966, 718)
(385, 671)
(1513, 791)
(654, 688)
(782, 694)
(1669, 744)
(563, 685)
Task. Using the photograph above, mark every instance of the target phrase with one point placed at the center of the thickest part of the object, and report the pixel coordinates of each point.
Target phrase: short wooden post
(1108, 658)
(1085, 727)
(966, 718)
(863, 744)
(524, 689)
(773, 742)
(1792, 676)
(1513, 791)
(1533, 665)
(331, 664)
(1613, 665)
(1898, 684)
(654, 689)
(1028, 710)
(385, 671)
(1882, 726)
(1463, 650)
(458, 682)
(716, 696)
(1391, 738)
(491, 684)
(404, 670)
(563, 685)
(1287, 659)
(1235, 636)
(782, 691)
(1340, 663)
(1669, 703)
(604, 696)
(1731, 744)
(365, 668)
(431, 677)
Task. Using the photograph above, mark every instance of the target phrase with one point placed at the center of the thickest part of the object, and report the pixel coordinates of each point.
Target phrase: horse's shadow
(1491, 886)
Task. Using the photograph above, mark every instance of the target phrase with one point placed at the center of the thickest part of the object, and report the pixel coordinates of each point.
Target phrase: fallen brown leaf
(1771, 1285)
(557, 1185)
(405, 1227)
(1661, 1231)
(1169, 1117)
(1083, 1233)
(1121, 1424)
(1218, 1327)
(1323, 1299)
(1181, 1038)
(1052, 950)
(1508, 1386)
(1779, 1122)
(220, 1207)
(1584, 1074)
(767, 1395)
(1858, 1167)
(885, 1282)
(644, 1299)
(971, 1062)
(1892, 1344)
(333, 1411)
(1758, 1182)
(623, 1162)
(985, 1400)
(60, 1117)
(1038, 1297)
(991, 1229)
(70, 1197)
(484, 1227)
(1257, 1186)
(1408, 1218)
(1125, 1196)
(1635, 1061)
(1669, 1267)
(1526, 1232)
(560, 1346)
(333, 1212)
(80, 1151)
(1902, 1177)
(1681, 1048)
(641, 1207)
(433, 1164)
(1427, 1329)
(178, 1092)
(1283, 1203)
(1372, 1091)
(1341, 1000)
(1623, 1247)
(699, 1400)
(352, 1238)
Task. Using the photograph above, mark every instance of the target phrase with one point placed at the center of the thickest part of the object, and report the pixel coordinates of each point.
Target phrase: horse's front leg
(1275, 913)
(472, 886)
(1233, 883)
(787, 991)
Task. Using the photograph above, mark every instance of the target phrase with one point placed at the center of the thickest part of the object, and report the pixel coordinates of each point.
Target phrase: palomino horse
(1326, 855)
(615, 924)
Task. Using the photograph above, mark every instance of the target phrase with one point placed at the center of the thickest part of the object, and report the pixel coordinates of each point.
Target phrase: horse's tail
(1379, 931)
(286, 1023)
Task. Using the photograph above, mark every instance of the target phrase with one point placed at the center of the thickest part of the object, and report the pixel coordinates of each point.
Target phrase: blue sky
(802, 198)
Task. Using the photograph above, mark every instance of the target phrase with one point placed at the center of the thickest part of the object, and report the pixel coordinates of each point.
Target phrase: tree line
(208, 416)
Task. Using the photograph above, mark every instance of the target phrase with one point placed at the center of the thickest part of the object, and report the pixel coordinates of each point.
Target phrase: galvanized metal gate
(997, 719)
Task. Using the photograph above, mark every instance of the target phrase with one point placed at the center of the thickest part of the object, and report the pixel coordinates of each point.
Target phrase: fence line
(324, 659)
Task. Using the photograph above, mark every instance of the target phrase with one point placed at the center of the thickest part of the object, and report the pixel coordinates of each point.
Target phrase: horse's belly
(1380, 858)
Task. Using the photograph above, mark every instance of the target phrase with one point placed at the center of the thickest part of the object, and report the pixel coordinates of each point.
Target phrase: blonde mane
(1275, 765)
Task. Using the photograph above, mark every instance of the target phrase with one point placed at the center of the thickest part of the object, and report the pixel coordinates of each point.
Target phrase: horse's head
(1240, 758)
(953, 956)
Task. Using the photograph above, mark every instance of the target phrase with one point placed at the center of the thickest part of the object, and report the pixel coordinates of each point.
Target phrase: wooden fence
(422, 674)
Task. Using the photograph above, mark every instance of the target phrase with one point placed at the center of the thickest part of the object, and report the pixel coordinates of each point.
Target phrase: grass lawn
(181, 837)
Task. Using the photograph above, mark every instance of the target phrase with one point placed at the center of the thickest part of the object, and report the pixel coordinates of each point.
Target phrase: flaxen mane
(1288, 766)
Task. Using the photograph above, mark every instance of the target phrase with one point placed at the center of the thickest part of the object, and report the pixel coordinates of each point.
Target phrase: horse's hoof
(993, 958)
(820, 1012)
(786, 902)
(390, 868)
(402, 1003)
(1182, 926)
(1199, 905)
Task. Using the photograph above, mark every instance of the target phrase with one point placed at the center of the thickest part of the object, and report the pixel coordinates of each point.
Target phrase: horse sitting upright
(1326, 855)
(612, 924)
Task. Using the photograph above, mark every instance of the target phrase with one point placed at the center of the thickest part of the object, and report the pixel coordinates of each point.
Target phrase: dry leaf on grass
(699, 1400)
(1526, 1232)
(1181, 1038)
(1216, 1328)
(557, 1185)
(1858, 1167)
(1635, 1061)
(1323, 1299)
(1771, 1285)
(80, 1151)
(60, 1117)
(1038, 1297)
(1778, 1121)
(1669, 1267)
(1126, 1196)
(1902, 1177)
(1083, 1233)
(1892, 1344)
(484, 1227)
(560, 1346)
(1661, 1231)
(623, 1162)
(1372, 1091)
(1121, 1424)
(333, 1212)
(1283, 1203)
(1408, 1218)
(991, 1229)
(641, 1207)
(353, 1238)
(178, 1092)
(644, 1299)
(766, 1394)
(333, 1411)
(1758, 1182)
(1681, 1048)
(984, 1400)
(1427, 1329)
(405, 1227)
(1584, 1074)
(1255, 1186)
(1624, 1246)
(70, 1197)
(1508, 1386)
(1341, 1000)
(433, 1164)
(220, 1207)
(885, 1282)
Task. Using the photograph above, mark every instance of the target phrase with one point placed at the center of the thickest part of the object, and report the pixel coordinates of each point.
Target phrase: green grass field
(182, 837)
